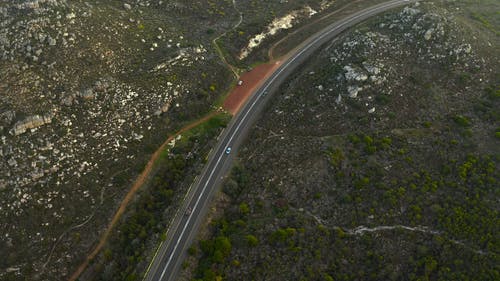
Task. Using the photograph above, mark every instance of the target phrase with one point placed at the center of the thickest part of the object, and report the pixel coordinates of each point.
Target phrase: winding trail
(233, 69)
(361, 230)
(141, 179)
(173, 250)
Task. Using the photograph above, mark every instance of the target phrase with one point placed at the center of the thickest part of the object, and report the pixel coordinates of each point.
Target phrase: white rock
(52, 41)
(371, 68)
(31, 122)
(352, 74)
(428, 34)
(353, 91)
(339, 99)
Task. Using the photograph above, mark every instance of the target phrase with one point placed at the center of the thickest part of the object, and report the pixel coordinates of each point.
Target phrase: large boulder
(30, 122)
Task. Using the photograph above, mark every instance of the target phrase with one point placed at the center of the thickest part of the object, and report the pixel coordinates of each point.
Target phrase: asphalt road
(172, 251)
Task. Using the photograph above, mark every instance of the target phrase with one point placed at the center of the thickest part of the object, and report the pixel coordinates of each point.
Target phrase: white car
(228, 150)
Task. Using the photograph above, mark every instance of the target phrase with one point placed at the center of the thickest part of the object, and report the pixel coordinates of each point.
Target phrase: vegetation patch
(127, 253)
(379, 159)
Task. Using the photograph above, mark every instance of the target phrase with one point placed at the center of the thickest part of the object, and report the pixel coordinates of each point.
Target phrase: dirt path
(254, 78)
(147, 170)
(233, 69)
(141, 179)
(251, 81)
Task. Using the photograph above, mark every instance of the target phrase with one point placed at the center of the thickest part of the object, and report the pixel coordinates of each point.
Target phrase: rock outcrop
(31, 122)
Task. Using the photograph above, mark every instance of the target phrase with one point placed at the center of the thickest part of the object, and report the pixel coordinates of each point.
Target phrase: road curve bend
(182, 230)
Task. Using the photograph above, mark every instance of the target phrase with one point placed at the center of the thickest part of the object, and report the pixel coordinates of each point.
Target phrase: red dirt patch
(251, 81)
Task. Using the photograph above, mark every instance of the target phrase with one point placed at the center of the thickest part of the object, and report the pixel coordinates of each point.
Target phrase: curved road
(172, 251)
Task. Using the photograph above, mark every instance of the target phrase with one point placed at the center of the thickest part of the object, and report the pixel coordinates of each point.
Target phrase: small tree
(252, 240)
(244, 209)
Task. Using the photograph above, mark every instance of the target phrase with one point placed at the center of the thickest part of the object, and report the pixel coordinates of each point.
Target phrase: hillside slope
(379, 160)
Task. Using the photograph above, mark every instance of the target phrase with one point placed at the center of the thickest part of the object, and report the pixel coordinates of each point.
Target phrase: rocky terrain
(270, 21)
(88, 90)
(378, 160)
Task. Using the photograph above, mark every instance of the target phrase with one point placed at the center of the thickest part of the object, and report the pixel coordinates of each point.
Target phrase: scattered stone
(354, 74)
(428, 34)
(353, 91)
(410, 11)
(371, 69)
(12, 162)
(52, 41)
(68, 100)
(339, 99)
(35, 175)
(87, 94)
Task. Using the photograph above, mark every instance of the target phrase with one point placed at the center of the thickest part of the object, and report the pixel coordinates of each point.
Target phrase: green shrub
(461, 121)
(336, 157)
(382, 99)
(244, 209)
(252, 241)
(368, 140)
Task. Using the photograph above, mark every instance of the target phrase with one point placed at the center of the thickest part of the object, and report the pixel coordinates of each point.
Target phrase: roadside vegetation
(88, 91)
(378, 160)
(115, 78)
(128, 252)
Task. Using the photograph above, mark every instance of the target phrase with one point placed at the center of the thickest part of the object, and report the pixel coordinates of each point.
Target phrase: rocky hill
(88, 90)
(378, 160)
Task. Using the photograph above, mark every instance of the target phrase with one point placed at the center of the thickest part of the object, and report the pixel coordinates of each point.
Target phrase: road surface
(172, 251)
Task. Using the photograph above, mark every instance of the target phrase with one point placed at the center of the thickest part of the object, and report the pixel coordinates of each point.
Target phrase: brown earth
(251, 81)
(233, 103)
(141, 179)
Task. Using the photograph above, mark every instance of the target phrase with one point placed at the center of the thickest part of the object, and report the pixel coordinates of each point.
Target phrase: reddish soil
(141, 179)
(233, 102)
(251, 81)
